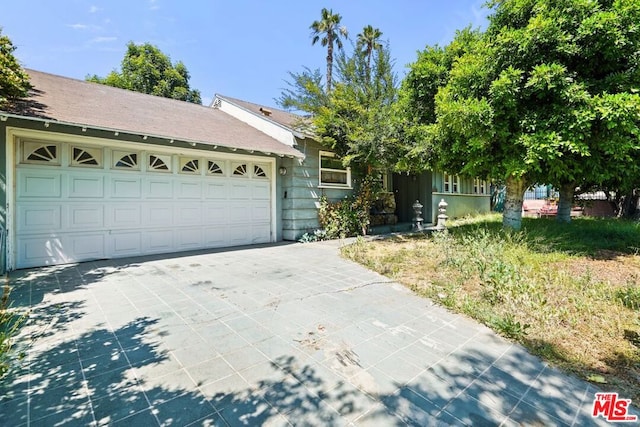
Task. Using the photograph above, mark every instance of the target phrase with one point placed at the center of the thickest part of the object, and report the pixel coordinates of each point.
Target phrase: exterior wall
(300, 192)
(262, 124)
(460, 204)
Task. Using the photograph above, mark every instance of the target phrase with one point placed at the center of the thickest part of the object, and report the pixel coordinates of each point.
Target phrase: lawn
(569, 293)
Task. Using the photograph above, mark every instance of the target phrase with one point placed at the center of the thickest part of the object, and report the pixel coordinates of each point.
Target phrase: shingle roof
(293, 122)
(93, 105)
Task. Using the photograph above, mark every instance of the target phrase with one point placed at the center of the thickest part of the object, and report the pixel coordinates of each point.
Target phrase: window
(451, 183)
(91, 157)
(122, 160)
(213, 168)
(479, 186)
(332, 171)
(38, 152)
(240, 170)
(259, 172)
(191, 166)
(159, 163)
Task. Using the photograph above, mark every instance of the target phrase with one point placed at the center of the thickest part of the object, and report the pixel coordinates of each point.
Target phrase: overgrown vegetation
(350, 216)
(10, 323)
(569, 293)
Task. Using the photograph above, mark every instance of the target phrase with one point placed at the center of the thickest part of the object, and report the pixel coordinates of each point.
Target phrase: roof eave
(4, 116)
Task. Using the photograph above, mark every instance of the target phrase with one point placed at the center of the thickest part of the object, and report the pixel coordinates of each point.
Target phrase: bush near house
(569, 293)
(351, 216)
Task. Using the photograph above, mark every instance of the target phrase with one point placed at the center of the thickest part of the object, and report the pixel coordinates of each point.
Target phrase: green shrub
(350, 216)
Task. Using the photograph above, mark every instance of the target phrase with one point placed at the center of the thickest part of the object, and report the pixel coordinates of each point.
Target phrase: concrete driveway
(271, 335)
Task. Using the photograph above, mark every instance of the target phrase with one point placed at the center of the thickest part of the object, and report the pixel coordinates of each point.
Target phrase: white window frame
(479, 186)
(451, 183)
(322, 184)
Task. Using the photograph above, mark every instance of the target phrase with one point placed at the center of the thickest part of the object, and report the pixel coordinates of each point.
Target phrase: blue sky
(239, 48)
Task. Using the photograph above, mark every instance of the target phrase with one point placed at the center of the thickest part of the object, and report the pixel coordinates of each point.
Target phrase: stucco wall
(300, 192)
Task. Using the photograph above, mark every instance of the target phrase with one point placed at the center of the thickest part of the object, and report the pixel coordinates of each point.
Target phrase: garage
(80, 199)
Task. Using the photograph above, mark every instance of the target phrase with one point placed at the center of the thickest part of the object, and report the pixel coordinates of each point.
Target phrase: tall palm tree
(328, 31)
(368, 41)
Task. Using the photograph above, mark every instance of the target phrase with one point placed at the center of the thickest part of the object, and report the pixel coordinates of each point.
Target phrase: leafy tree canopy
(146, 69)
(548, 94)
(356, 119)
(14, 81)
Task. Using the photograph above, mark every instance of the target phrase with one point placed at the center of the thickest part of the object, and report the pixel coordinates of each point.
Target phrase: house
(92, 172)
(303, 179)
(309, 179)
(95, 172)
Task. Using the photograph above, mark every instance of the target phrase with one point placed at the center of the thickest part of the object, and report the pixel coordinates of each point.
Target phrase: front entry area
(81, 200)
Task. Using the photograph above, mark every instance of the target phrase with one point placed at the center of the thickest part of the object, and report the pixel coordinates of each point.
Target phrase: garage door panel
(125, 243)
(261, 233)
(158, 188)
(239, 213)
(216, 189)
(260, 212)
(215, 237)
(157, 215)
(34, 218)
(39, 185)
(86, 187)
(126, 188)
(188, 215)
(239, 235)
(261, 191)
(86, 216)
(240, 190)
(158, 241)
(215, 214)
(41, 250)
(189, 190)
(189, 238)
(87, 246)
(123, 216)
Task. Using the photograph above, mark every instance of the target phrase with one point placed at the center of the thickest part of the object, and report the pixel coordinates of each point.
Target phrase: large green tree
(548, 94)
(356, 119)
(328, 32)
(146, 69)
(14, 81)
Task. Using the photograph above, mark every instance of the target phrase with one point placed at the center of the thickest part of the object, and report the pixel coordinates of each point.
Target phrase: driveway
(270, 335)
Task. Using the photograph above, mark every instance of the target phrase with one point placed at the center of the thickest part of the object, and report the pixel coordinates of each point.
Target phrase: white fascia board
(274, 130)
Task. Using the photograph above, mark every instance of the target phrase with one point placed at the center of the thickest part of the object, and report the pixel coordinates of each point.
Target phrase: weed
(10, 323)
(629, 297)
(510, 328)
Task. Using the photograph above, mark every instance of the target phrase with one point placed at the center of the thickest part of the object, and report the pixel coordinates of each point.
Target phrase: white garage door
(77, 202)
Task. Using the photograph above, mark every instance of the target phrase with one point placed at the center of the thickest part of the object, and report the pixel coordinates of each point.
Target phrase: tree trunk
(329, 64)
(565, 203)
(629, 204)
(512, 215)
